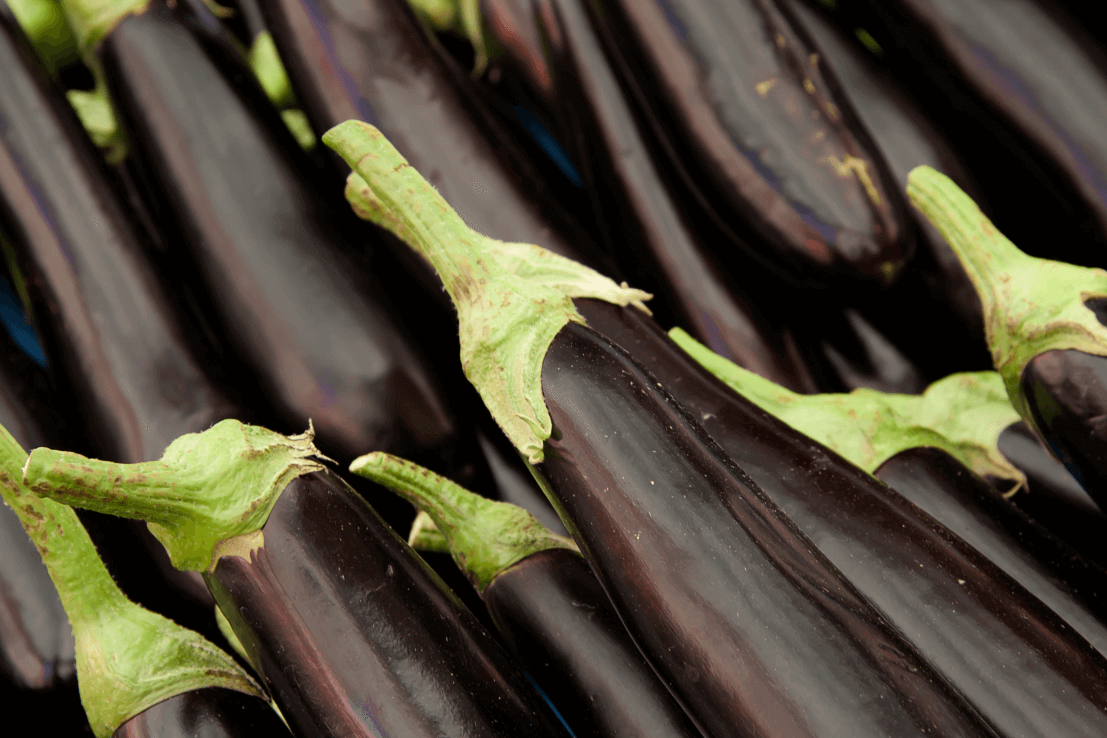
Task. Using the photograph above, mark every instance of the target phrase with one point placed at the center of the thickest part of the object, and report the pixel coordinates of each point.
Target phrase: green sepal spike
(511, 299)
(485, 536)
(208, 496)
(1030, 305)
(962, 414)
(128, 658)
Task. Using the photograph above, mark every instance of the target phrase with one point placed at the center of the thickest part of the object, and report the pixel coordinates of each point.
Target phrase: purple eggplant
(350, 630)
(647, 227)
(243, 208)
(758, 128)
(745, 622)
(547, 606)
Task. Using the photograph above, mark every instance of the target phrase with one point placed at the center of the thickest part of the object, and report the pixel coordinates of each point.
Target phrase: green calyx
(1030, 305)
(511, 299)
(128, 658)
(44, 23)
(425, 536)
(962, 414)
(441, 15)
(92, 20)
(485, 536)
(208, 495)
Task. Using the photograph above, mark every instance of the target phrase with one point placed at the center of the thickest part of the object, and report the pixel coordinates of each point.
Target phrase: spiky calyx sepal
(209, 490)
(485, 536)
(511, 299)
(962, 414)
(1030, 305)
(128, 658)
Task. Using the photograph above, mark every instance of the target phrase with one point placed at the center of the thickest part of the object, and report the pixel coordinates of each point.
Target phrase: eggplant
(547, 606)
(1020, 91)
(760, 132)
(1044, 326)
(946, 335)
(350, 630)
(874, 536)
(267, 250)
(108, 330)
(140, 674)
(1053, 498)
(647, 227)
(378, 65)
(740, 616)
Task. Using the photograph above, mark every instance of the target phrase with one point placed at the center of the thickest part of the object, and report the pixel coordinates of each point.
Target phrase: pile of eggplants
(664, 368)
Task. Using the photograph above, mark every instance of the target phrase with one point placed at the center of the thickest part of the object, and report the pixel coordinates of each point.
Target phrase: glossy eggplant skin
(762, 135)
(108, 330)
(374, 62)
(558, 623)
(932, 313)
(748, 626)
(1021, 91)
(1067, 394)
(647, 229)
(1053, 498)
(354, 635)
(268, 249)
(1066, 582)
(211, 713)
(972, 623)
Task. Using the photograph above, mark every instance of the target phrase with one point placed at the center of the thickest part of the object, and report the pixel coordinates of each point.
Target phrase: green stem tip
(511, 299)
(1030, 305)
(962, 414)
(128, 658)
(485, 537)
(209, 494)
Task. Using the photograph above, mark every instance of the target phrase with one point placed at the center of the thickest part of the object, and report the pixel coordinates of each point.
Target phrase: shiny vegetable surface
(647, 227)
(352, 632)
(546, 604)
(238, 196)
(742, 618)
(110, 333)
(211, 713)
(875, 536)
(758, 126)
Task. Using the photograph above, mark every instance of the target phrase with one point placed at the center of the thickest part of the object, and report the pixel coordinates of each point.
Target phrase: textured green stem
(962, 414)
(485, 536)
(1030, 305)
(511, 299)
(128, 658)
(209, 492)
(424, 535)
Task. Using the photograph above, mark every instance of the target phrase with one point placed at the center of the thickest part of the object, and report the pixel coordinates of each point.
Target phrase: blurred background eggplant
(758, 128)
(1020, 90)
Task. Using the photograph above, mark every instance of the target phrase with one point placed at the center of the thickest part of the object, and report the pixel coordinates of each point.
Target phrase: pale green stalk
(511, 299)
(128, 658)
(485, 536)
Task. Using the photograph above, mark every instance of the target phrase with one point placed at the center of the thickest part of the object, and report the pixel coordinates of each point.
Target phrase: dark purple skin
(1067, 393)
(559, 624)
(753, 158)
(647, 229)
(108, 331)
(269, 252)
(1053, 498)
(206, 713)
(971, 622)
(377, 65)
(1066, 582)
(354, 635)
(991, 91)
(932, 313)
(745, 622)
